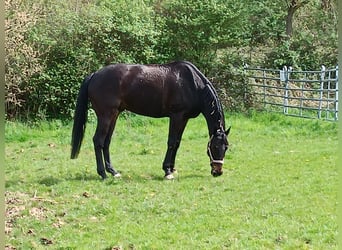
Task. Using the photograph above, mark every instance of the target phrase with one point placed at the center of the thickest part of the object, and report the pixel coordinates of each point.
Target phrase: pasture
(278, 189)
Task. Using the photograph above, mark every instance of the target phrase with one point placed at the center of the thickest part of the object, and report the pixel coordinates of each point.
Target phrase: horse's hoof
(117, 175)
(169, 177)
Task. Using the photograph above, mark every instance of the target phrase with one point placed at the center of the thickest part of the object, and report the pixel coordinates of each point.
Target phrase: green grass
(278, 190)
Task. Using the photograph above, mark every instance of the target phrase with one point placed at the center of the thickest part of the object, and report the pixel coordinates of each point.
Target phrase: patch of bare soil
(8, 247)
(15, 205)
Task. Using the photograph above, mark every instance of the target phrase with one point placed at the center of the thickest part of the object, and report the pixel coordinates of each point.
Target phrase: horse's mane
(213, 104)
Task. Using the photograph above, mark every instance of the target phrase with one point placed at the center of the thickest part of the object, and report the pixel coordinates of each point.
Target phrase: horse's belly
(148, 105)
(152, 97)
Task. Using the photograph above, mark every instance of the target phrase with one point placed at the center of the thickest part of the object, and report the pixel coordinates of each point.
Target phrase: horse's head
(217, 147)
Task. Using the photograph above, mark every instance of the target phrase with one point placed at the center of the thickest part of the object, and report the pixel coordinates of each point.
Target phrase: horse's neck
(212, 111)
(213, 122)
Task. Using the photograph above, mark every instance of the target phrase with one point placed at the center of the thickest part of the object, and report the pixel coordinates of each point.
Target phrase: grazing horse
(177, 90)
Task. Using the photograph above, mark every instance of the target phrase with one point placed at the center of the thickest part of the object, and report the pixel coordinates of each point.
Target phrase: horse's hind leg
(103, 125)
(106, 154)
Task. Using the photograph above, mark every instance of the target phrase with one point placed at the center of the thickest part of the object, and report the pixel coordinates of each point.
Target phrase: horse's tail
(80, 118)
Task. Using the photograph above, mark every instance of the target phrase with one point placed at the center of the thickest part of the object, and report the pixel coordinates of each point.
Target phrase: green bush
(22, 59)
(313, 43)
(195, 29)
(302, 53)
(229, 79)
(52, 46)
(80, 43)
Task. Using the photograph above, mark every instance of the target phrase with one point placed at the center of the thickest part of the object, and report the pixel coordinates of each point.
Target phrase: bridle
(212, 160)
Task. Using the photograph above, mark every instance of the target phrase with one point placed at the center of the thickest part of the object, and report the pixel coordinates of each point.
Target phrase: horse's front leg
(176, 129)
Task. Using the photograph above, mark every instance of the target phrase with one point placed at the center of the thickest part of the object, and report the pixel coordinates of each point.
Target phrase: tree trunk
(289, 21)
(326, 5)
(293, 5)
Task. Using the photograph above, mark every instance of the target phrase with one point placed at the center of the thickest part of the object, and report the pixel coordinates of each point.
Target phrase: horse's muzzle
(216, 170)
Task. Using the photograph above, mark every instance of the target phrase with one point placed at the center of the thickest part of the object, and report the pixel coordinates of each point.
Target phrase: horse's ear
(227, 131)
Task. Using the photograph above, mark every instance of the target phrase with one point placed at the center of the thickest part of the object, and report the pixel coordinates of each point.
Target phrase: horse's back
(151, 90)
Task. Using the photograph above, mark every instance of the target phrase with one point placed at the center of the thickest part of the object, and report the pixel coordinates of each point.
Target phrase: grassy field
(278, 191)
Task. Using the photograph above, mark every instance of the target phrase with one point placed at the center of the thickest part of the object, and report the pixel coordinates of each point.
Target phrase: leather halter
(212, 160)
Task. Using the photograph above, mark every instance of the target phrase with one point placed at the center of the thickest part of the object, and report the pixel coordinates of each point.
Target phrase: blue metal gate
(310, 94)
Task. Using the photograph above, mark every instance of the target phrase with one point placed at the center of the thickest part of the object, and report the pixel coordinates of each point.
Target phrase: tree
(194, 29)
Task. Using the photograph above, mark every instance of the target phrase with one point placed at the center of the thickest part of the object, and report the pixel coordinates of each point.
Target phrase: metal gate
(310, 94)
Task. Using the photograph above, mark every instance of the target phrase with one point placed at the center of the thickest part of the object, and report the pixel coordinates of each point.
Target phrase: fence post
(321, 92)
(284, 78)
(247, 89)
(336, 95)
(245, 81)
(264, 83)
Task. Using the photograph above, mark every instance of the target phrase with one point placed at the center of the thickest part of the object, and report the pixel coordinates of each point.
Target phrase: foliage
(22, 59)
(229, 79)
(314, 41)
(278, 190)
(195, 29)
(82, 42)
(52, 46)
(266, 23)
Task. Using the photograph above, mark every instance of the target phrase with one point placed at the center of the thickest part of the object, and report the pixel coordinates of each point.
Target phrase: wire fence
(309, 94)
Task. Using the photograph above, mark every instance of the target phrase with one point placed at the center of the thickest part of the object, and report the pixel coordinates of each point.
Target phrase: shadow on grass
(143, 178)
(126, 177)
(49, 181)
(139, 178)
(11, 183)
(84, 177)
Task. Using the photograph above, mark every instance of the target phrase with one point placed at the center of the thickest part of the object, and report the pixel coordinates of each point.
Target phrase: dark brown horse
(177, 90)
